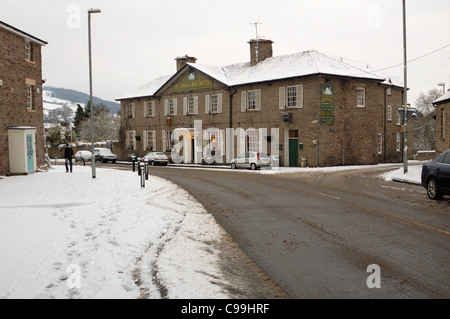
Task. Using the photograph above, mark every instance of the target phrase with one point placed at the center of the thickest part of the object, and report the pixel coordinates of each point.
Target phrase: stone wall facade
(20, 66)
(442, 127)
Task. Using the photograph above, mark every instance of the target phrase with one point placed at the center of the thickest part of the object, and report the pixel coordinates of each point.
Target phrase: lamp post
(405, 94)
(91, 93)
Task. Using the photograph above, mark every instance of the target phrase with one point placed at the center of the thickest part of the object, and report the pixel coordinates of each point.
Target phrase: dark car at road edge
(436, 176)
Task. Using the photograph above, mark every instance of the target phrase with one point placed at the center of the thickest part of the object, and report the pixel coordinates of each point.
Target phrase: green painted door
(293, 152)
(30, 154)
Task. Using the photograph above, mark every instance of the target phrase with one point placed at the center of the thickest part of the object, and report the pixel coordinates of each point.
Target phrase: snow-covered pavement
(70, 236)
(67, 235)
(413, 176)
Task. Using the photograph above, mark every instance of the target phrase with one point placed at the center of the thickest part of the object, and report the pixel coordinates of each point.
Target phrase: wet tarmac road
(316, 234)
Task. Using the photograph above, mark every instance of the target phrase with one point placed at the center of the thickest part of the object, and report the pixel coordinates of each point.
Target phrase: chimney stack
(183, 60)
(260, 50)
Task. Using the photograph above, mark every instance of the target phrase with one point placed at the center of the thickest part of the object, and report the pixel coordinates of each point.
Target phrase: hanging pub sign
(327, 104)
(286, 117)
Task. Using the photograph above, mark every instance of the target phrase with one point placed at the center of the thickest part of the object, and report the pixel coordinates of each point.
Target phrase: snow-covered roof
(443, 98)
(146, 90)
(277, 68)
(289, 66)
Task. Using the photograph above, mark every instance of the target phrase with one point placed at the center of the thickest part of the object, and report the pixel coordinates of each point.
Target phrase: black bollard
(133, 159)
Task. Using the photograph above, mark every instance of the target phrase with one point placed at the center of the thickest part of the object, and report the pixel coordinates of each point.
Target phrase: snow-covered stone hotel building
(310, 108)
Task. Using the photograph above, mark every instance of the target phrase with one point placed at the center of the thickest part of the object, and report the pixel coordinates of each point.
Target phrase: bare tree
(425, 122)
(106, 126)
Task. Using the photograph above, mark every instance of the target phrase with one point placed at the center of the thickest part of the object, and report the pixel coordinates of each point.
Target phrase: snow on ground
(413, 176)
(67, 235)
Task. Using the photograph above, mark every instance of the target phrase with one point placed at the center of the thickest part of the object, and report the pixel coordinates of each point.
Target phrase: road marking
(331, 196)
(396, 188)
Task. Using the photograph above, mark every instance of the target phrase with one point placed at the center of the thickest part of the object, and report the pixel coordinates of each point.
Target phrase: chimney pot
(183, 60)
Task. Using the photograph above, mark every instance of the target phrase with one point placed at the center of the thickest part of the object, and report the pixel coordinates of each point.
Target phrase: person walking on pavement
(68, 153)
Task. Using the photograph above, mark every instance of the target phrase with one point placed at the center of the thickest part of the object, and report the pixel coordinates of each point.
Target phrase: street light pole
(405, 94)
(91, 92)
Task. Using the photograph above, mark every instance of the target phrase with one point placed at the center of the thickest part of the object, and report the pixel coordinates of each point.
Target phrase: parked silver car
(105, 155)
(252, 160)
(83, 156)
(157, 158)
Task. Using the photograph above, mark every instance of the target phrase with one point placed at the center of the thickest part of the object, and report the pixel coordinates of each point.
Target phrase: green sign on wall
(327, 104)
(193, 85)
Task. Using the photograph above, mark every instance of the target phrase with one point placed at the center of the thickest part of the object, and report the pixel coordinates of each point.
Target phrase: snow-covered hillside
(61, 104)
(58, 106)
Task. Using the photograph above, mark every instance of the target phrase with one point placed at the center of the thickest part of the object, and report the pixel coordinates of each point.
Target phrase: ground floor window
(131, 140)
(213, 142)
(168, 140)
(380, 144)
(150, 140)
(252, 140)
(30, 104)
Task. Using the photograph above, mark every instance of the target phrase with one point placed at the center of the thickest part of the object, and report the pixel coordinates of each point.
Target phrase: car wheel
(433, 190)
(253, 167)
(233, 166)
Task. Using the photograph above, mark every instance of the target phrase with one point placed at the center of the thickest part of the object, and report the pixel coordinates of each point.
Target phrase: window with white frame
(252, 140)
(130, 110)
(131, 140)
(398, 144)
(291, 97)
(150, 140)
(170, 107)
(191, 105)
(291, 94)
(380, 144)
(361, 97)
(149, 109)
(30, 104)
(213, 142)
(169, 141)
(214, 107)
(28, 51)
(213, 103)
(251, 100)
(399, 119)
(389, 113)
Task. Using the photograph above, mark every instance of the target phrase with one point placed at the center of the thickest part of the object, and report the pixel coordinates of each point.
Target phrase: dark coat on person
(68, 152)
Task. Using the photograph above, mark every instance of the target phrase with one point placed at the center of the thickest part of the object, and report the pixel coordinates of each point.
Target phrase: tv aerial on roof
(256, 29)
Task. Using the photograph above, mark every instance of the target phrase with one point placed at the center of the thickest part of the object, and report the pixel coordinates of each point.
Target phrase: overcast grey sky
(135, 41)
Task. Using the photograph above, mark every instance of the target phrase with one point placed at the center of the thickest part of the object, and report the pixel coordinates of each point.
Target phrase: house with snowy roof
(22, 148)
(442, 106)
(308, 108)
